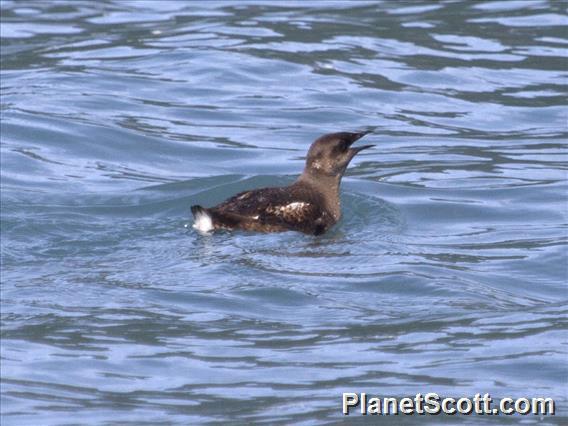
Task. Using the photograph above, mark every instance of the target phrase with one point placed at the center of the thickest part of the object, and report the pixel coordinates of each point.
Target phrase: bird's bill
(360, 148)
(353, 137)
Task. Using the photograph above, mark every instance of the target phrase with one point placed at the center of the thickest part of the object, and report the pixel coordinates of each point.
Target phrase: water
(447, 274)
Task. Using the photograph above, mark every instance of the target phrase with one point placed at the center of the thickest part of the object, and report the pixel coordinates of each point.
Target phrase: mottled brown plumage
(310, 205)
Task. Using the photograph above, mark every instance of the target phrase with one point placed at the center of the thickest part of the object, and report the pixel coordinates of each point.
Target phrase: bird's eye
(343, 146)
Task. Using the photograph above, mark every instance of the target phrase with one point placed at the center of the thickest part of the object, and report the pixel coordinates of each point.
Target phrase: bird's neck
(328, 186)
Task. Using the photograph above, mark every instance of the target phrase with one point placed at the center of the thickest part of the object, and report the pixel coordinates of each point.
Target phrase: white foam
(203, 222)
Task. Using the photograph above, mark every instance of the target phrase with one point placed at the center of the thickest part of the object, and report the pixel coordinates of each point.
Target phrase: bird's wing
(250, 203)
(294, 213)
(275, 207)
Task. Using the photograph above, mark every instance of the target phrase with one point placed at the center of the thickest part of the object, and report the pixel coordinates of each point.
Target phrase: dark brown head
(330, 154)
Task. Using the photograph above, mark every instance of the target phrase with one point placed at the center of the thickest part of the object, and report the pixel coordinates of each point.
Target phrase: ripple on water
(354, 247)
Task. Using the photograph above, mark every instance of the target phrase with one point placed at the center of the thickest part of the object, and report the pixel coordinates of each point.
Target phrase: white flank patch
(203, 223)
(288, 208)
(295, 205)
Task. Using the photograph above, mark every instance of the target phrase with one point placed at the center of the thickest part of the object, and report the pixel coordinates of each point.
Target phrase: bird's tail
(203, 222)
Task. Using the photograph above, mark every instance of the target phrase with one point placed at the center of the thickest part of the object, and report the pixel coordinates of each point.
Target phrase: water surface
(447, 273)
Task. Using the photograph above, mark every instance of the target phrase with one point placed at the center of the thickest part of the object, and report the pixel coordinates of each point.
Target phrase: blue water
(448, 272)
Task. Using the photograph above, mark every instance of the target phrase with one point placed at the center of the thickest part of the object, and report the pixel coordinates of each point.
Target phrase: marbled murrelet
(310, 205)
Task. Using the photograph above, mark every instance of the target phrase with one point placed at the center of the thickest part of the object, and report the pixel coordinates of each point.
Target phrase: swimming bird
(310, 205)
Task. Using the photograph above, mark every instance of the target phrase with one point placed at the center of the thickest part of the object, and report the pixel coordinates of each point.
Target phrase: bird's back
(273, 210)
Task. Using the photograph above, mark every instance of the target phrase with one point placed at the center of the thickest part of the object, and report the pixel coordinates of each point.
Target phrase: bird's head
(330, 154)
